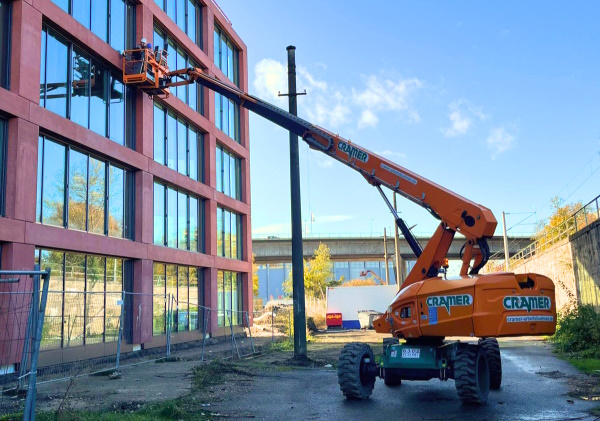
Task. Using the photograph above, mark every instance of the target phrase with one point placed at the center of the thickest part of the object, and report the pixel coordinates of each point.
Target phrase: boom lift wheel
(357, 371)
(494, 361)
(471, 374)
(390, 379)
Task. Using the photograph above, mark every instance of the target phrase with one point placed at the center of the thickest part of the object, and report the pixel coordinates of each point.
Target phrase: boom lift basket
(147, 69)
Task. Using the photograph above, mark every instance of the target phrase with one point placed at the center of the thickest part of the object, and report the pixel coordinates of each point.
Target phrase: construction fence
(111, 321)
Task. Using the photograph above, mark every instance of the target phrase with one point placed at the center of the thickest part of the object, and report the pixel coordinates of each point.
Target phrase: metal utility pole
(505, 242)
(397, 246)
(385, 257)
(297, 253)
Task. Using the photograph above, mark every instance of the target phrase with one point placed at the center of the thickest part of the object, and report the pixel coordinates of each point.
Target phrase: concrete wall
(557, 264)
(585, 245)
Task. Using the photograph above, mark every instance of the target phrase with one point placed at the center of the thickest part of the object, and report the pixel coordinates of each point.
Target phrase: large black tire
(389, 341)
(471, 374)
(353, 382)
(391, 379)
(492, 350)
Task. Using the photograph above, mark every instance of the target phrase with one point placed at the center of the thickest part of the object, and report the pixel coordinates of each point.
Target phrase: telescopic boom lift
(428, 308)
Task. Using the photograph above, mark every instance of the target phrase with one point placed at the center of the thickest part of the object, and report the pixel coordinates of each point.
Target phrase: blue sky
(497, 101)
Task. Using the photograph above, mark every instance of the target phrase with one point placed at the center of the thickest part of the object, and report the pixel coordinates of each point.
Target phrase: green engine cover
(412, 356)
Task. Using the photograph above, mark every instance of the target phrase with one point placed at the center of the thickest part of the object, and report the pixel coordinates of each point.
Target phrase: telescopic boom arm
(456, 214)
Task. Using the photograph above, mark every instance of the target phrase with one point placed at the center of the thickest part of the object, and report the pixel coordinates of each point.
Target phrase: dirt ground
(271, 385)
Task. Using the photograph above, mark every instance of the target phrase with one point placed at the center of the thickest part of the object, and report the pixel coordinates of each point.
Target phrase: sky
(496, 101)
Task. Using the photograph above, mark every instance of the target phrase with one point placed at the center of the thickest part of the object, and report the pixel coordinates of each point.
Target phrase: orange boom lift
(428, 307)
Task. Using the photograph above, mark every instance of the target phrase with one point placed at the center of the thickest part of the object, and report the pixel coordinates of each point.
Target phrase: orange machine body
(495, 305)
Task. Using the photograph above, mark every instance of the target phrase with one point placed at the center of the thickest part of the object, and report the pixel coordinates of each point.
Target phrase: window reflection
(97, 194)
(229, 302)
(187, 15)
(229, 234)
(81, 87)
(159, 214)
(171, 218)
(78, 188)
(116, 202)
(183, 321)
(159, 299)
(182, 218)
(226, 55)
(56, 74)
(53, 184)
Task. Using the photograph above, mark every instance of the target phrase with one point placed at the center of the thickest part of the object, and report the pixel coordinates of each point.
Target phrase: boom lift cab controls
(428, 308)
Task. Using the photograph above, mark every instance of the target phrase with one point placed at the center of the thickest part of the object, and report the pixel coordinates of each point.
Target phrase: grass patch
(214, 373)
(577, 338)
(595, 411)
(170, 410)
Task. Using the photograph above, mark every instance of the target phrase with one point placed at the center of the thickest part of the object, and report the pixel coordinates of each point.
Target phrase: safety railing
(583, 217)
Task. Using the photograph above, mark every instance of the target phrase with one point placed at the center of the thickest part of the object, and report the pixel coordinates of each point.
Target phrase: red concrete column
(142, 301)
(210, 227)
(210, 157)
(144, 128)
(211, 297)
(144, 215)
(208, 30)
(248, 297)
(25, 51)
(14, 304)
(21, 170)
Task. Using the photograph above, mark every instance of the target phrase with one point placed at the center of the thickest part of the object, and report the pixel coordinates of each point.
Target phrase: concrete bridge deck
(278, 250)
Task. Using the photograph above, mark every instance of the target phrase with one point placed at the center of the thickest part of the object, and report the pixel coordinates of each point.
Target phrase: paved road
(535, 386)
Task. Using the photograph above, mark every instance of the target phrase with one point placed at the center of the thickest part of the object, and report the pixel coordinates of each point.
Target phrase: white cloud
(461, 117)
(328, 219)
(272, 229)
(333, 106)
(499, 141)
(385, 95)
(389, 153)
(270, 78)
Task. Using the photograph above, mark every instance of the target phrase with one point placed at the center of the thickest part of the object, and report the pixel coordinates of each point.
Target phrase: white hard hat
(143, 40)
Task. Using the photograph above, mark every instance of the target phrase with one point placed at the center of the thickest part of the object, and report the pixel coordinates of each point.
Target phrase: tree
(561, 222)
(318, 274)
(254, 276)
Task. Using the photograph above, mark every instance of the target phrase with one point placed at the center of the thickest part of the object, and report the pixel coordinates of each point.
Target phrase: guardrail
(583, 217)
(366, 235)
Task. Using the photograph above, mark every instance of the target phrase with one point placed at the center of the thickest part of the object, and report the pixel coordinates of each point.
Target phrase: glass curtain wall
(229, 298)
(229, 173)
(76, 86)
(78, 191)
(178, 219)
(187, 14)
(181, 285)
(113, 20)
(193, 94)
(229, 234)
(227, 115)
(82, 300)
(177, 144)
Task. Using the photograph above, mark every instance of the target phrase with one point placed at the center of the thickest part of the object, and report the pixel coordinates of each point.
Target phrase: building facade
(116, 191)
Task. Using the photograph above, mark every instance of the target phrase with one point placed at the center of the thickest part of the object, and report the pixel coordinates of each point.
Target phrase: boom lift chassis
(428, 308)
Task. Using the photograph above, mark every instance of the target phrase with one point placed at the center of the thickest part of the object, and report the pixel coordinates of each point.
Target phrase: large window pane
(229, 71)
(220, 232)
(225, 116)
(42, 66)
(53, 185)
(181, 14)
(114, 288)
(98, 99)
(81, 12)
(171, 218)
(216, 45)
(181, 147)
(191, 21)
(220, 299)
(117, 25)
(116, 202)
(237, 317)
(80, 93)
(193, 299)
(193, 145)
(234, 242)
(183, 321)
(227, 298)
(171, 6)
(226, 176)
(232, 120)
(56, 74)
(159, 134)
(227, 233)
(159, 214)
(97, 195)
(233, 177)
(218, 111)
(74, 299)
(171, 141)
(100, 20)
(53, 324)
(78, 171)
(219, 169)
(94, 303)
(193, 224)
(40, 169)
(117, 111)
(159, 300)
(172, 293)
(182, 228)
(181, 64)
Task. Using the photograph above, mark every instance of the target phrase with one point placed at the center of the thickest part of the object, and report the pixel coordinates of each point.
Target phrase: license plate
(411, 352)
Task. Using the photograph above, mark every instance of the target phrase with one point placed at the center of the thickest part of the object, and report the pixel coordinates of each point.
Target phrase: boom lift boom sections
(456, 213)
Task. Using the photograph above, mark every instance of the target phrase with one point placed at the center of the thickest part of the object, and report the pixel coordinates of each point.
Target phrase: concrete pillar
(142, 301)
(25, 51)
(211, 298)
(15, 307)
(144, 214)
(21, 170)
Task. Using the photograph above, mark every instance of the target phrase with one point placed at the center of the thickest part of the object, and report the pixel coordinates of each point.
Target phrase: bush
(578, 332)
